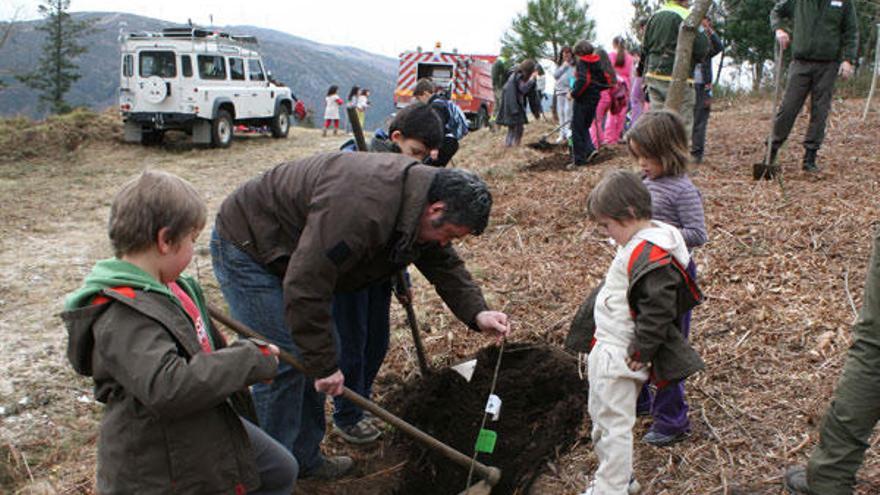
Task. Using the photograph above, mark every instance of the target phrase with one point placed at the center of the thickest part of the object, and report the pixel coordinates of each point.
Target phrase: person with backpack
(589, 82)
(455, 125)
(511, 111)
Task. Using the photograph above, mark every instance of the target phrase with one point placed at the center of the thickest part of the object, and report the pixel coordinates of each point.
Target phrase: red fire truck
(467, 78)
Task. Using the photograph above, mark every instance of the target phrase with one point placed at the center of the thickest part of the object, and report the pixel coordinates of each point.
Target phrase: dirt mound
(543, 405)
(58, 135)
(557, 159)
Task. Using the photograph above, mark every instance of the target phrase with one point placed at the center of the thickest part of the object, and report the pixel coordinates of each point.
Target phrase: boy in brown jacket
(166, 376)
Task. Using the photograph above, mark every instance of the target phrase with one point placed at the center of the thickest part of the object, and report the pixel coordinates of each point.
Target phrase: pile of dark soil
(543, 405)
(559, 159)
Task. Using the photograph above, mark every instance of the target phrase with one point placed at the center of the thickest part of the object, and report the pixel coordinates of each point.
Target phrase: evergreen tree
(56, 70)
(748, 36)
(545, 28)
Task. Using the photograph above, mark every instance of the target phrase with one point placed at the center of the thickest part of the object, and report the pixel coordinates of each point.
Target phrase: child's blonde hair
(661, 134)
(150, 202)
(620, 195)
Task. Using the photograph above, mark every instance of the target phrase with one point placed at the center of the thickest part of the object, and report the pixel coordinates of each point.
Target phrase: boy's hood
(667, 237)
(110, 273)
(591, 58)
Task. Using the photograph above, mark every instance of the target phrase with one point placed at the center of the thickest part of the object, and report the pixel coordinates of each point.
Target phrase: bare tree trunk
(757, 76)
(684, 50)
(874, 74)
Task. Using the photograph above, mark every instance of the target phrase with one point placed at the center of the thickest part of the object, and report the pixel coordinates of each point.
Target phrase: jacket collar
(674, 7)
(415, 198)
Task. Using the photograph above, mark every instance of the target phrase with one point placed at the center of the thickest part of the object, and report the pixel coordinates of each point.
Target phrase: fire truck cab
(467, 80)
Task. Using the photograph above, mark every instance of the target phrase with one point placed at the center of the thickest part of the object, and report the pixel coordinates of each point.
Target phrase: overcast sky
(387, 27)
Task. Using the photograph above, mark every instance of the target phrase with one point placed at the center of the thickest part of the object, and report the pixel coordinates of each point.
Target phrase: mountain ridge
(307, 66)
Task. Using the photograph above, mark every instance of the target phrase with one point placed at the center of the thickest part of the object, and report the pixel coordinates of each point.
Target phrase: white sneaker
(632, 489)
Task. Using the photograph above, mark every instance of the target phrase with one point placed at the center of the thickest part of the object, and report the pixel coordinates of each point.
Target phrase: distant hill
(309, 68)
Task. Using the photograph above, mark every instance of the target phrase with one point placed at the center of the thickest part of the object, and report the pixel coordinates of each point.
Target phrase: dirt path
(779, 272)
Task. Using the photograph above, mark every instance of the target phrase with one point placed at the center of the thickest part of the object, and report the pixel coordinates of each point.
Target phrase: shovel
(542, 143)
(402, 285)
(491, 475)
(767, 170)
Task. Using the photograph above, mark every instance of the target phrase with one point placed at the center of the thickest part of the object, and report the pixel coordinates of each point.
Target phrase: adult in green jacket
(855, 408)
(661, 40)
(824, 36)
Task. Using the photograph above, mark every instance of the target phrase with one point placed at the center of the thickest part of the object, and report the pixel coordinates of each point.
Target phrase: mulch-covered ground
(783, 272)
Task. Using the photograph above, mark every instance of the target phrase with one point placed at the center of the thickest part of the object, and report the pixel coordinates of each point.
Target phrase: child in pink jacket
(613, 105)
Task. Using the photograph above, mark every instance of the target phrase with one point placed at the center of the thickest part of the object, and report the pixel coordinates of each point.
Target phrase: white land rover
(202, 82)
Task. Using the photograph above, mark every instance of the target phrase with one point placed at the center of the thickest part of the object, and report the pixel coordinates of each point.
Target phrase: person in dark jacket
(635, 333)
(512, 110)
(362, 317)
(825, 45)
(658, 50)
(287, 240)
(167, 378)
(590, 79)
(428, 93)
(703, 91)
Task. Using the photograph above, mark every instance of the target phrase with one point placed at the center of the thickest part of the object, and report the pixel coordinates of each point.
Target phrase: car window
(211, 67)
(255, 70)
(128, 66)
(158, 63)
(236, 69)
(186, 67)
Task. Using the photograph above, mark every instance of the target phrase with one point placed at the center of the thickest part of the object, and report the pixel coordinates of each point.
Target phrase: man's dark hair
(467, 198)
(418, 121)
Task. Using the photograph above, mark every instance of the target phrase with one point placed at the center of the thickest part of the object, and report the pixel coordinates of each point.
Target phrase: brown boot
(324, 132)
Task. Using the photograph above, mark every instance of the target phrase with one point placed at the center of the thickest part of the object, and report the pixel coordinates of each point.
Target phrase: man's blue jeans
(362, 325)
(289, 409)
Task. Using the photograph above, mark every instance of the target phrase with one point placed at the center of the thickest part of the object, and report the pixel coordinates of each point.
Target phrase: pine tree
(748, 36)
(56, 70)
(545, 28)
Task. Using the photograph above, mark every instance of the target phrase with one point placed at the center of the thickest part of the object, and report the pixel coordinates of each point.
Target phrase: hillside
(309, 68)
(783, 272)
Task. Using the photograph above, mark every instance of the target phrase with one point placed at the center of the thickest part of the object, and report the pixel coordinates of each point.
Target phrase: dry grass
(774, 332)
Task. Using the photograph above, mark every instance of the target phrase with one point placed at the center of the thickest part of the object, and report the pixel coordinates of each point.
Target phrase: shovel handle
(400, 280)
(491, 474)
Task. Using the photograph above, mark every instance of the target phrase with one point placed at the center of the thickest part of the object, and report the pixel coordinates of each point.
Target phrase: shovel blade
(465, 369)
(481, 488)
(763, 171)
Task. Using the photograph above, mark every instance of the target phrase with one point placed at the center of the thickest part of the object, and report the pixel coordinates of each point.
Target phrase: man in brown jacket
(285, 241)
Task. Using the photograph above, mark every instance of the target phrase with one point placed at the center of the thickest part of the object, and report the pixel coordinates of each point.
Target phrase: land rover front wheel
(221, 130)
(280, 123)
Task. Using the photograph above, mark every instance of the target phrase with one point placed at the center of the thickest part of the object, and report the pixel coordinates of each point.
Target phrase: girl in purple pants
(659, 143)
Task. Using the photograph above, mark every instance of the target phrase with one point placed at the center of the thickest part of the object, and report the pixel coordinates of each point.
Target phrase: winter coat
(661, 39)
(337, 222)
(658, 285)
(512, 108)
(168, 425)
(824, 30)
(589, 79)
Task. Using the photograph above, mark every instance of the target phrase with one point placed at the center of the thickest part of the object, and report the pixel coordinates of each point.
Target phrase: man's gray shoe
(332, 468)
(795, 481)
(364, 431)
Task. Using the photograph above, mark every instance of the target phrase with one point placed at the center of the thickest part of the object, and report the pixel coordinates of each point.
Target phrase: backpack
(457, 125)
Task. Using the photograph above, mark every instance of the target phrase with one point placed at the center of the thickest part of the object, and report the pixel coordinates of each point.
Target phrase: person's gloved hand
(783, 38)
(846, 70)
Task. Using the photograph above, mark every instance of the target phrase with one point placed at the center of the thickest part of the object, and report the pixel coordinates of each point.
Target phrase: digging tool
(767, 170)
(356, 128)
(490, 475)
(542, 143)
(402, 285)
